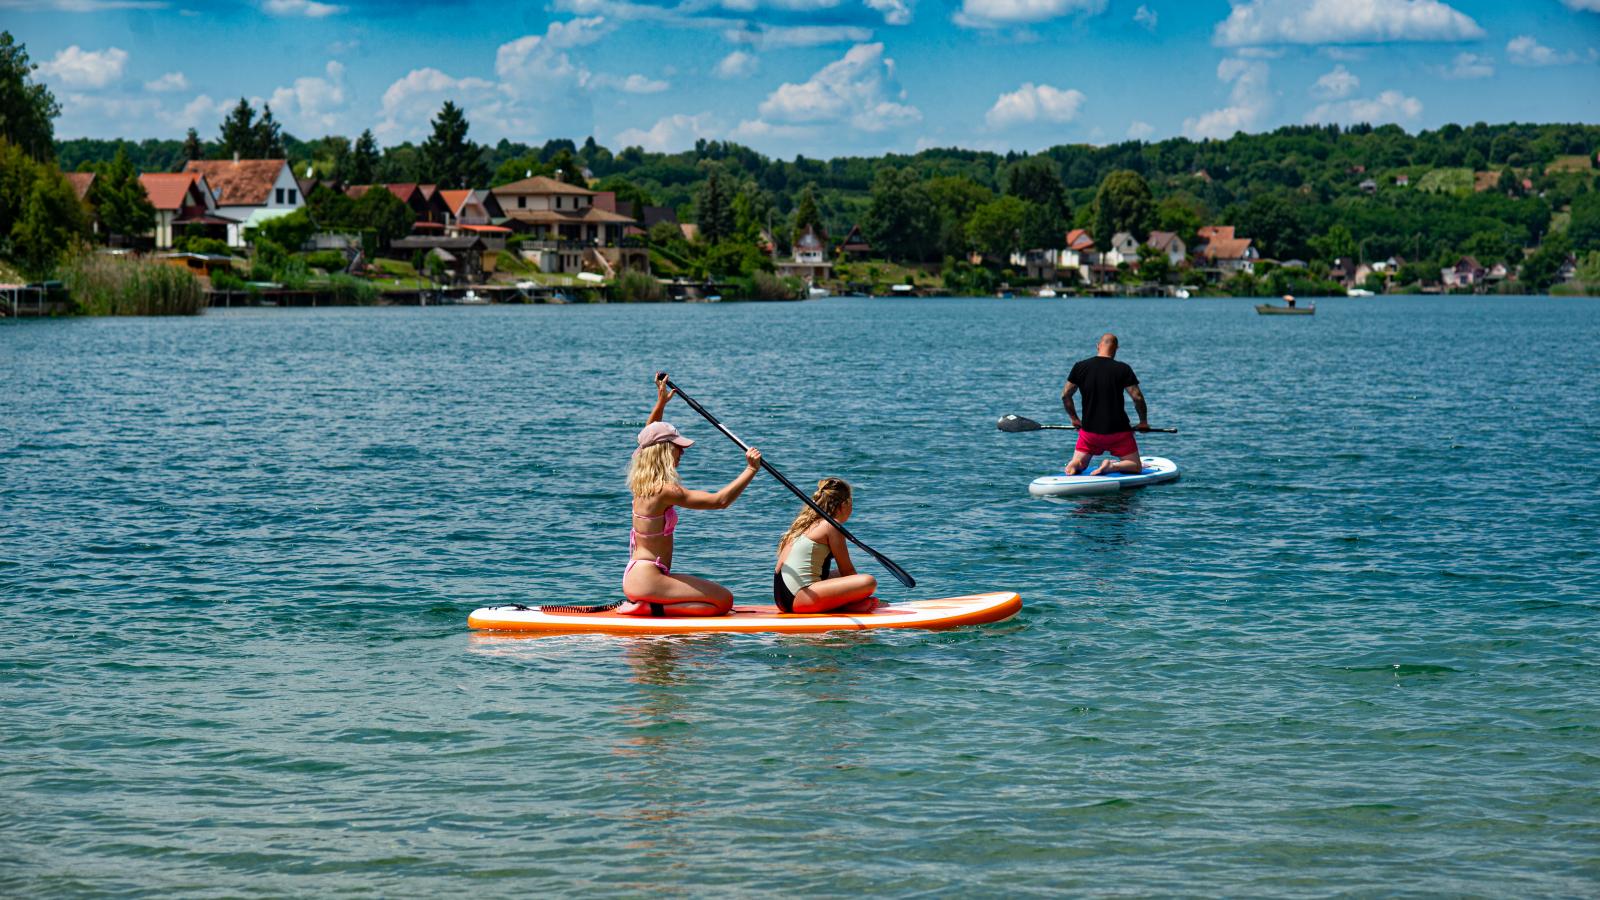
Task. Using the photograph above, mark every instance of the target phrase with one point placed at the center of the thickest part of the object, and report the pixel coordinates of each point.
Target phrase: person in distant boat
(649, 583)
(801, 583)
(1104, 427)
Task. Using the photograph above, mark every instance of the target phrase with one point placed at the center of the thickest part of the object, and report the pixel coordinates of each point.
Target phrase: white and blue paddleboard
(1156, 470)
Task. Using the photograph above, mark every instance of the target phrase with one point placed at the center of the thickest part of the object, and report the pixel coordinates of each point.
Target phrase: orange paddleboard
(950, 612)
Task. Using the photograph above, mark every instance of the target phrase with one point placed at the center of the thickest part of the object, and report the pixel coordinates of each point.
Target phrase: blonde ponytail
(832, 494)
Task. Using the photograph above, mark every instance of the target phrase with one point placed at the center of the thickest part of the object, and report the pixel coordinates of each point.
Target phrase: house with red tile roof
(248, 191)
(1220, 250)
(182, 200)
(472, 212)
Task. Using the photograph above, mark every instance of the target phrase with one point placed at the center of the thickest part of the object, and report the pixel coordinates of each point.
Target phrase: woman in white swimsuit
(802, 583)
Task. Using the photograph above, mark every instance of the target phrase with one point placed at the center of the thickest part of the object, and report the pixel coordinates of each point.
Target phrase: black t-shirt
(1100, 382)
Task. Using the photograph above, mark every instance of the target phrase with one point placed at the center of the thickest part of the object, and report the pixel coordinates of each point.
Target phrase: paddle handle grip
(894, 568)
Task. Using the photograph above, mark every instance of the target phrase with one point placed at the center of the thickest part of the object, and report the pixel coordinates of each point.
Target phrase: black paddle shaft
(900, 574)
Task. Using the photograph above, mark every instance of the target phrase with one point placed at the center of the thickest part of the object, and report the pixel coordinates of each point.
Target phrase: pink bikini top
(669, 524)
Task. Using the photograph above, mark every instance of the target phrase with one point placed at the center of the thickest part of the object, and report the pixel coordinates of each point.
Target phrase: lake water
(1354, 649)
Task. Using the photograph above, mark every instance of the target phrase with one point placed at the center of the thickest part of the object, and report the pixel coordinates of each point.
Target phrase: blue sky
(814, 77)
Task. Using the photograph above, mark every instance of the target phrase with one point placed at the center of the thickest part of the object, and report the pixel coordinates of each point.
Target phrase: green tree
(381, 212)
(18, 172)
(364, 159)
(1584, 229)
(954, 199)
(26, 107)
(192, 148)
(1182, 214)
(901, 221)
(564, 164)
(1543, 268)
(1509, 183)
(331, 209)
(1123, 203)
(806, 214)
(120, 200)
(289, 231)
(239, 133)
(1490, 247)
(1335, 245)
(1273, 221)
(996, 227)
(1037, 181)
(714, 208)
(1154, 265)
(448, 158)
(268, 136)
(52, 220)
(1589, 269)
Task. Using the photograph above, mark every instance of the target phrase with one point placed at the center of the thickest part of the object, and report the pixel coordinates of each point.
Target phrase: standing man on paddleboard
(1104, 427)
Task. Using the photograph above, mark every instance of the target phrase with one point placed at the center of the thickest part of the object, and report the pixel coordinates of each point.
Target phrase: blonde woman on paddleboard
(649, 583)
(802, 582)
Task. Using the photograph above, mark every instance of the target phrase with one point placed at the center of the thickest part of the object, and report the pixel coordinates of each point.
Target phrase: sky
(821, 78)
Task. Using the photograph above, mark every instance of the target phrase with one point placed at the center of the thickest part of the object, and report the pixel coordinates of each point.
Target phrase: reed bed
(107, 286)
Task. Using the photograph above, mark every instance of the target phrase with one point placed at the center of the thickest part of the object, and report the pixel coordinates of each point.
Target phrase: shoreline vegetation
(1303, 210)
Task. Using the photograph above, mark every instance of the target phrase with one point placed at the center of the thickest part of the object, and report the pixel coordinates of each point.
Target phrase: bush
(107, 286)
(767, 286)
(352, 291)
(226, 280)
(634, 287)
(327, 260)
(195, 243)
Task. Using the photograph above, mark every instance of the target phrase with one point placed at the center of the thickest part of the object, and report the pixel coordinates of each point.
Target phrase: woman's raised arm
(663, 394)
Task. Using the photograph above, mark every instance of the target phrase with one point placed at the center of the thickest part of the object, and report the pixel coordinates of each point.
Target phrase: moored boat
(1269, 309)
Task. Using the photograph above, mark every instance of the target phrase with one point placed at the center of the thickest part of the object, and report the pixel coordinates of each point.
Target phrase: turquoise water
(1353, 650)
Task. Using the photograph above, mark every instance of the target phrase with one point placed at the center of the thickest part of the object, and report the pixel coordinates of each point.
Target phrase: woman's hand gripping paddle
(900, 574)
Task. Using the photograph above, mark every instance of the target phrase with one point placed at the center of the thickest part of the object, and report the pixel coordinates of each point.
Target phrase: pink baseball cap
(661, 433)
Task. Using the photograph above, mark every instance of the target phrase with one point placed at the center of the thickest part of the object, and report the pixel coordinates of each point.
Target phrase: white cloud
(1582, 5)
(114, 108)
(1389, 106)
(998, 13)
(1034, 103)
(1342, 22)
(1146, 16)
(895, 12)
(1249, 100)
(775, 37)
(1340, 82)
(671, 133)
(633, 84)
(1139, 131)
(172, 81)
(1468, 65)
(737, 64)
(309, 9)
(201, 112)
(312, 102)
(79, 68)
(410, 102)
(1524, 50)
(854, 89)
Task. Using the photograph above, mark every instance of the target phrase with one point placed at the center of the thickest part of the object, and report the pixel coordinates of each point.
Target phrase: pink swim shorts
(1119, 444)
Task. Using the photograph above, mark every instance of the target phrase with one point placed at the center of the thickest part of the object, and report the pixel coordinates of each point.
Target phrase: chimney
(236, 157)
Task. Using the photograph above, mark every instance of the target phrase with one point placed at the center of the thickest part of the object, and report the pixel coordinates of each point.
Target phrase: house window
(279, 196)
(558, 203)
(292, 200)
(522, 203)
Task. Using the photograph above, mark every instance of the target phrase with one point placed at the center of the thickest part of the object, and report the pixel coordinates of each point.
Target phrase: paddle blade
(1015, 424)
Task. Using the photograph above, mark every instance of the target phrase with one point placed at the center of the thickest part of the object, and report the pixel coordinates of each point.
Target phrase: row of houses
(566, 228)
(1217, 250)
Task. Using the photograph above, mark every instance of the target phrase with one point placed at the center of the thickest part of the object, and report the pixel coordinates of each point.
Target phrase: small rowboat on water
(1289, 309)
